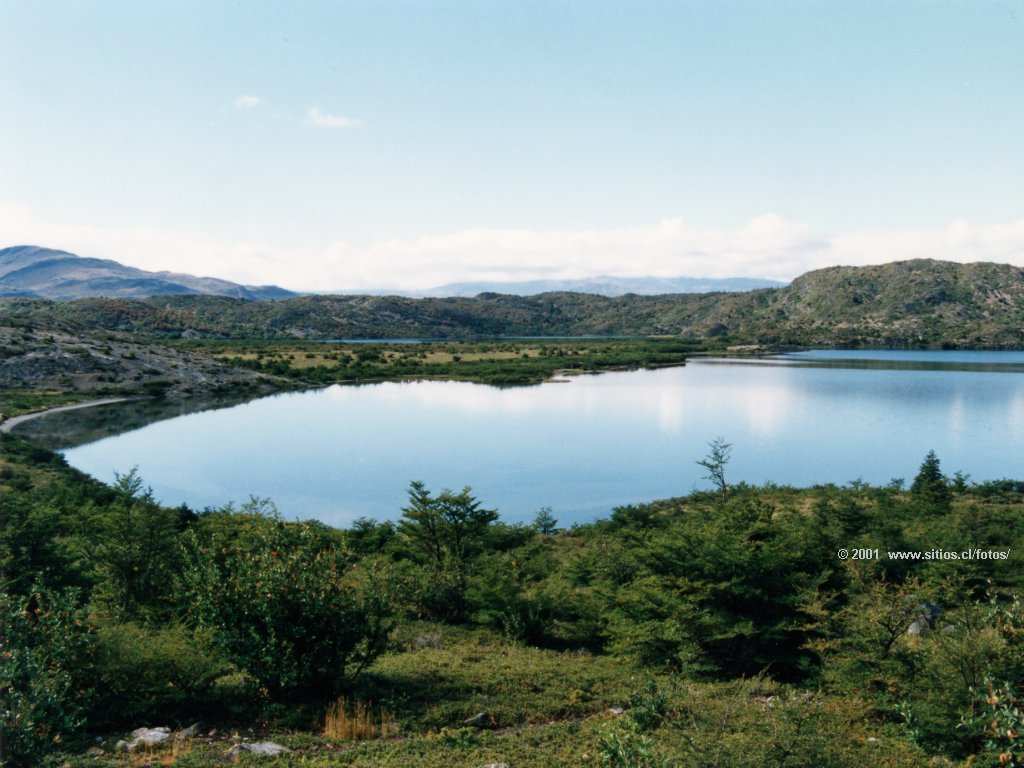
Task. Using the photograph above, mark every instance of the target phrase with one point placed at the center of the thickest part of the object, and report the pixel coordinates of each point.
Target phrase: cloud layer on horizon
(767, 246)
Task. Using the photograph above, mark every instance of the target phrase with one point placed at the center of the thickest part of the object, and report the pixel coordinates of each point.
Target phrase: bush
(31, 548)
(936, 679)
(626, 749)
(648, 707)
(137, 555)
(44, 645)
(285, 602)
(722, 590)
(1003, 716)
(143, 672)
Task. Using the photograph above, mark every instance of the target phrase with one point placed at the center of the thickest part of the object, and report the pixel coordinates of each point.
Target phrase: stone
(479, 720)
(616, 711)
(926, 616)
(144, 737)
(188, 733)
(263, 748)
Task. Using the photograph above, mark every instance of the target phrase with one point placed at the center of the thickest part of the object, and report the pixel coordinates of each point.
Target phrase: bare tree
(715, 462)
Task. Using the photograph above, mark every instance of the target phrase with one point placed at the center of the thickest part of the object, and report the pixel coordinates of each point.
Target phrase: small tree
(930, 485)
(545, 522)
(717, 458)
(136, 559)
(445, 532)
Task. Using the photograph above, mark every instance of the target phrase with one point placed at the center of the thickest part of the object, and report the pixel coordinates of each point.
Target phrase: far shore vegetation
(252, 367)
(509, 362)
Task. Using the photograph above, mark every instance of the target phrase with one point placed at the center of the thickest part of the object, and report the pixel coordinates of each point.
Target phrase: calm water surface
(588, 445)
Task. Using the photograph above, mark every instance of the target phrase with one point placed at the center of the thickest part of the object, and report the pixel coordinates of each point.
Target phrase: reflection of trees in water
(71, 429)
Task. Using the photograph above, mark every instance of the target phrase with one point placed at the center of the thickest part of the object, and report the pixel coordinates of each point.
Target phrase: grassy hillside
(916, 302)
(910, 303)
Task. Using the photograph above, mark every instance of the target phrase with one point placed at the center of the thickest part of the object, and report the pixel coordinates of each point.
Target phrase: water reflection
(69, 429)
(582, 446)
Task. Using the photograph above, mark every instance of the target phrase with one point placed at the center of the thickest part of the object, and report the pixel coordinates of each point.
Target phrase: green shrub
(1002, 713)
(285, 602)
(648, 707)
(721, 590)
(45, 645)
(137, 557)
(32, 550)
(143, 672)
(620, 748)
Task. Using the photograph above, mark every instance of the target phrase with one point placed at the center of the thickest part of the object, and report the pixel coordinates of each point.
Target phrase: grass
(474, 671)
(548, 708)
(357, 721)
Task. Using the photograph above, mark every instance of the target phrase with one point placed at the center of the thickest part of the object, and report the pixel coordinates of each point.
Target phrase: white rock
(145, 737)
(265, 748)
(188, 733)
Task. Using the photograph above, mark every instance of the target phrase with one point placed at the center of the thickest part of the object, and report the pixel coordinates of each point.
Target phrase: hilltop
(910, 303)
(31, 271)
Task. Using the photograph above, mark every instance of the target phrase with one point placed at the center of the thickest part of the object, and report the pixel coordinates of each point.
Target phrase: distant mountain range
(29, 271)
(33, 272)
(604, 285)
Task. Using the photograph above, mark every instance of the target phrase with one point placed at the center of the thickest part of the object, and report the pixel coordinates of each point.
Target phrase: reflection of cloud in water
(671, 407)
(957, 414)
(668, 401)
(1015, 415)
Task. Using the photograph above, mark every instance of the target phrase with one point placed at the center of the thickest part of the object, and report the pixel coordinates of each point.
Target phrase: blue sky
(343, 144)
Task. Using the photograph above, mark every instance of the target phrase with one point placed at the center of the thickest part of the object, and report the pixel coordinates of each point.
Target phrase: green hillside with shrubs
(909, 303)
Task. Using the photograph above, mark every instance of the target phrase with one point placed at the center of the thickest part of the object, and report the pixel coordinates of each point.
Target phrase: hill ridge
(910, 303)
(31, 270)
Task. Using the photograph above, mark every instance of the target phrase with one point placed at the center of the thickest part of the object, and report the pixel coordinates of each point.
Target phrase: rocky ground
(73, 367)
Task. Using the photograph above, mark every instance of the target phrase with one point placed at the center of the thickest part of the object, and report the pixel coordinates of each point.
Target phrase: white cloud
(248, 102)
(324, 120)
(767, 246)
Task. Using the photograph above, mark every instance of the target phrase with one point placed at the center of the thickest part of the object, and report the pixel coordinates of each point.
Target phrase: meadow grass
(548, 708)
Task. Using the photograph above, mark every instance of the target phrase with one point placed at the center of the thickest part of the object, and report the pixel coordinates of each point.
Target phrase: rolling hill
(31, 271)
(910, 303)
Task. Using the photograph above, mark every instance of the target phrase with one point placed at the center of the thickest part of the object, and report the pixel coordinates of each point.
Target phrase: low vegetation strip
(502, 363)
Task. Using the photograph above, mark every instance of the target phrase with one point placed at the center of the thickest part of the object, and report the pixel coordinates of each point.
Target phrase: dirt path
(11, 423)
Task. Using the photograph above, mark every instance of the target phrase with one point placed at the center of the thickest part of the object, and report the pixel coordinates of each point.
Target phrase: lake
(581, 446)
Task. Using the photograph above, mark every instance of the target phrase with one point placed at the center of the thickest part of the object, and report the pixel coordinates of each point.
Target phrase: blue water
(912, 355)
(581, 447)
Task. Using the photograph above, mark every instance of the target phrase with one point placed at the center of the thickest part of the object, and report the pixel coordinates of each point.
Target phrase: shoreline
(10, 423)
